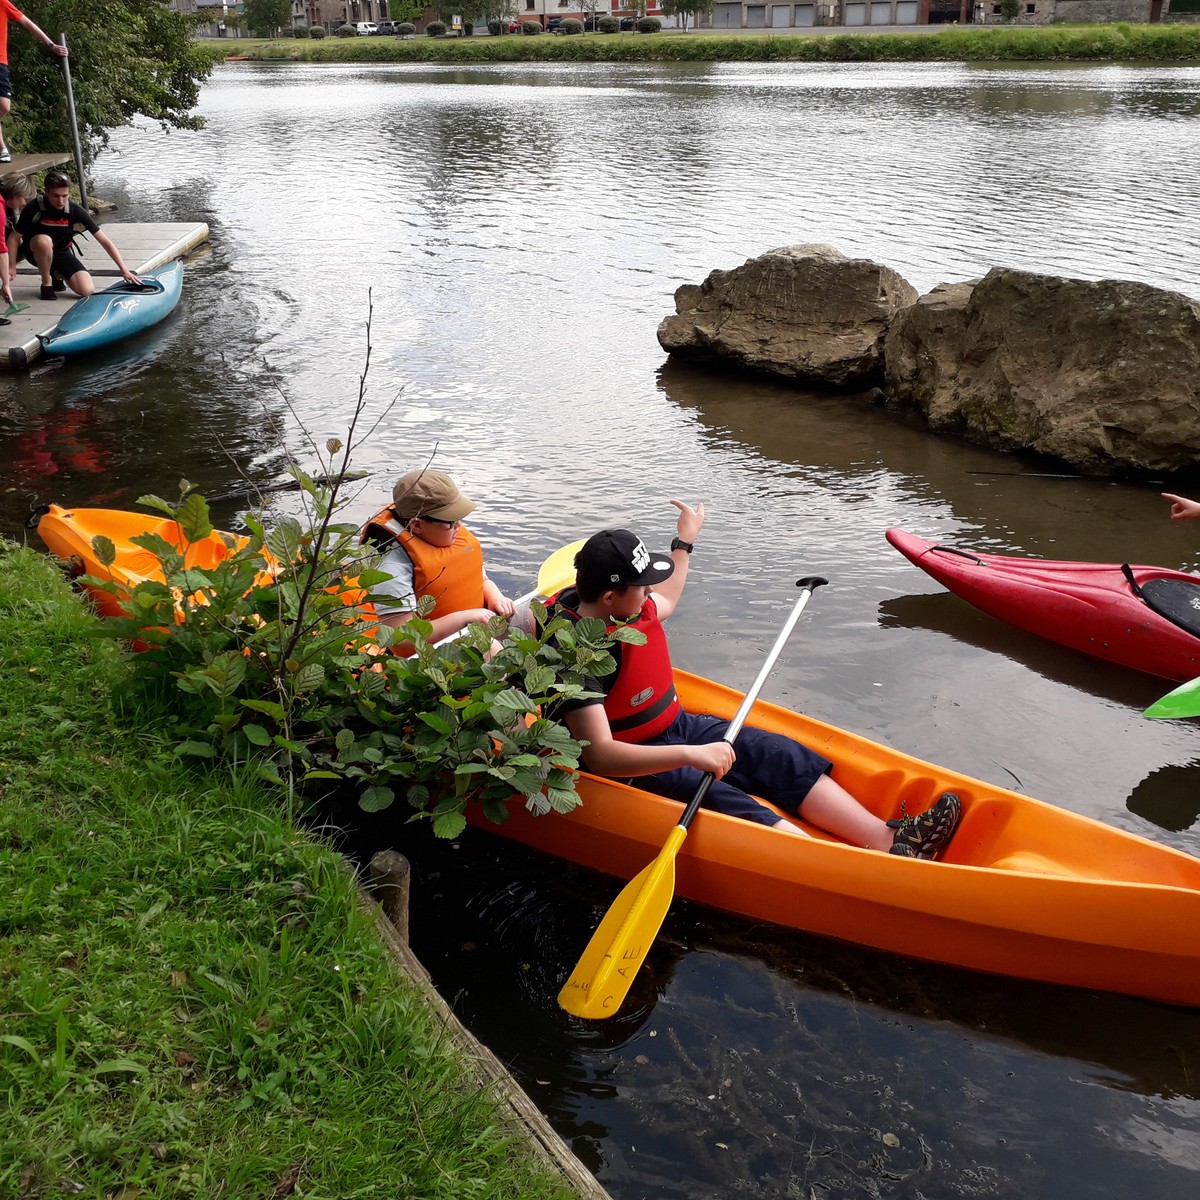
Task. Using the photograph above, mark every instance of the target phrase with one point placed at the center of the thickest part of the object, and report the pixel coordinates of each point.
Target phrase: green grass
(192, 1002)
(1084, 43)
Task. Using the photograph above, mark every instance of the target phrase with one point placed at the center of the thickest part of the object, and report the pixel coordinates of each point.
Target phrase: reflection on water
(1169, 796)
(757, 1061)
(520, 232)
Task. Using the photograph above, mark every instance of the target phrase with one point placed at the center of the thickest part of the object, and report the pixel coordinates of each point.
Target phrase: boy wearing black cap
(638, 731)
(428, 551)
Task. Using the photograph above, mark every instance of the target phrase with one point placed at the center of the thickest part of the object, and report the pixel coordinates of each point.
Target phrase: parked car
(514, 26)
(627, 23)
(386, 29)
(366, 28)
(552, 24)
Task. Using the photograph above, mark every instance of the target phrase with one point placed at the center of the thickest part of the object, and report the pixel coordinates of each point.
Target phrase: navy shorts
(5, 82)
(768, 764)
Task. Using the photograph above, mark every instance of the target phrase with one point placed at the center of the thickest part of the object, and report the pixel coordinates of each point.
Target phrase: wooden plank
(527, 1122)
(33, 164)
(143, 246)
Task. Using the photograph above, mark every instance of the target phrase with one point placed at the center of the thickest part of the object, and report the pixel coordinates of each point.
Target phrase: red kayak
(1147, 618)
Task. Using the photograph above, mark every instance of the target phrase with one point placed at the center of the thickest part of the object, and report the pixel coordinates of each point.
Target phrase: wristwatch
(680, 544)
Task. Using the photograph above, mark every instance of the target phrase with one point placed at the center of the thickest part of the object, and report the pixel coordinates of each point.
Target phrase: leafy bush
(609, 25)
(649, 25)
(496, 28)
(529, 28)
(285, 31)
(346, 31)
(265, 655)
(569, 25)
(301, 31)
(317, 31)
(435, 28)
(405, 28)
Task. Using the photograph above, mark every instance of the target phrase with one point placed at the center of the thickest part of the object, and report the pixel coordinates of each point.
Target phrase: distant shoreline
(1122, 43)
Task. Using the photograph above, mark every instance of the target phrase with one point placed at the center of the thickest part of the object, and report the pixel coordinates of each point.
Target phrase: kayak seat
(1175, 599)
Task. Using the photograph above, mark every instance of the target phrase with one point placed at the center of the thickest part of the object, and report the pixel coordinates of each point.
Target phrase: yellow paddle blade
(558, 571)
(602, 977)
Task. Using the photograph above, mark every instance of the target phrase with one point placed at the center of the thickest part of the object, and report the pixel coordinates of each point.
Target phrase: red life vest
(452, 575)
(641, 702)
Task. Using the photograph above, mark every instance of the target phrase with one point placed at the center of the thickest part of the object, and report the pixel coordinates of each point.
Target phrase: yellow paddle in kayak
(1184, 701)
(557, 572)
(605, 970)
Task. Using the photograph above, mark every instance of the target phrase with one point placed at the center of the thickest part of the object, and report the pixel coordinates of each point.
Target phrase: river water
(516, 234)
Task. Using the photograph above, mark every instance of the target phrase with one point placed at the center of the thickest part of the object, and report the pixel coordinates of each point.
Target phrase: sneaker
(5, 156)
(47, 292)
(926, 835)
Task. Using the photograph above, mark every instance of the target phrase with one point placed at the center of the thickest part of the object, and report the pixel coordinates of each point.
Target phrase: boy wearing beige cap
(428, 551)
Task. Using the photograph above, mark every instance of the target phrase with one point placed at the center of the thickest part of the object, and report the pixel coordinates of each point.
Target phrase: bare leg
(5, 105)
(81, 283)
(42, 249)
(830, 807)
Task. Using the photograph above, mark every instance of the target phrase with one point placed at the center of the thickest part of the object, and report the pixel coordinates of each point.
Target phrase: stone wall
(1136, 11)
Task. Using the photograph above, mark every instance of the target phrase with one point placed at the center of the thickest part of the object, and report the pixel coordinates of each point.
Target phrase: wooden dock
(142, 246)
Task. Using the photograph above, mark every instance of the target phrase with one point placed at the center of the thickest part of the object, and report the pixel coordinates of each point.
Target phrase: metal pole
(66, 65)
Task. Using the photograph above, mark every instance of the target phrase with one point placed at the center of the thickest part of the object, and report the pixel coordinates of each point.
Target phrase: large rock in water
(804, 313)
(1105, 376)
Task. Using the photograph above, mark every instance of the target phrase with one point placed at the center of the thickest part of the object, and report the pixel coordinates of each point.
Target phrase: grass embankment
(193, 1004)
(1050, 43)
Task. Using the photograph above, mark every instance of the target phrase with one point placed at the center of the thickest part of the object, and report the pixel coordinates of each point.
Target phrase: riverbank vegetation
(195, 1004)
(1048, 43)
(128, 59)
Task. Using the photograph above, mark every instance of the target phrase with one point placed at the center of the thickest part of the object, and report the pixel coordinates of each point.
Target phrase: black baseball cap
(618, 558)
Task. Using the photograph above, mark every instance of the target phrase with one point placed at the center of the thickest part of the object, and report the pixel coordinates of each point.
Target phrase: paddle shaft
(556, 573)
(525, 599)
(287, 485)
(810, 584)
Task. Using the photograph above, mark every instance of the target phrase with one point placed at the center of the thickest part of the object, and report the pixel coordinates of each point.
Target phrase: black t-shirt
(61, 227)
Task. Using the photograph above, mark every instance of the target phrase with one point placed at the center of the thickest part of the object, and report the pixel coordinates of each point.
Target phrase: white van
(366, 28)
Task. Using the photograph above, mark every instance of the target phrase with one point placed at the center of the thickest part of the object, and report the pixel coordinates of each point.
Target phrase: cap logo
(641, 557)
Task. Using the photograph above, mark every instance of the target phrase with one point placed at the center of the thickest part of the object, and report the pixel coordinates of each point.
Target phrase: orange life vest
(452, 575)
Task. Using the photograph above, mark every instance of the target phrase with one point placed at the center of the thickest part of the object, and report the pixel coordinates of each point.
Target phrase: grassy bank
(194, 1005)
(1053, 43)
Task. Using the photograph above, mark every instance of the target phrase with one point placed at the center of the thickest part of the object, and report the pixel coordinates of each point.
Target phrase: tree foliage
(683, 9)
(129, 58)
(267, 17)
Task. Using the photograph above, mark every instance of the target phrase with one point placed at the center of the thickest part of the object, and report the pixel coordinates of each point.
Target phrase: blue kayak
(117, 312)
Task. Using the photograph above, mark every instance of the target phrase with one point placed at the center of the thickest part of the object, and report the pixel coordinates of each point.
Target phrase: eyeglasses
(439, 521)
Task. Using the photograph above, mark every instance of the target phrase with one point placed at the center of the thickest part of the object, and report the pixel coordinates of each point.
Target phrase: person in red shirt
(15, 192)
(9, 11)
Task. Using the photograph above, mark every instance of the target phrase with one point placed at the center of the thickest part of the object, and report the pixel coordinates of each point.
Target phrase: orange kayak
(1024, 889)
(68, 533)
